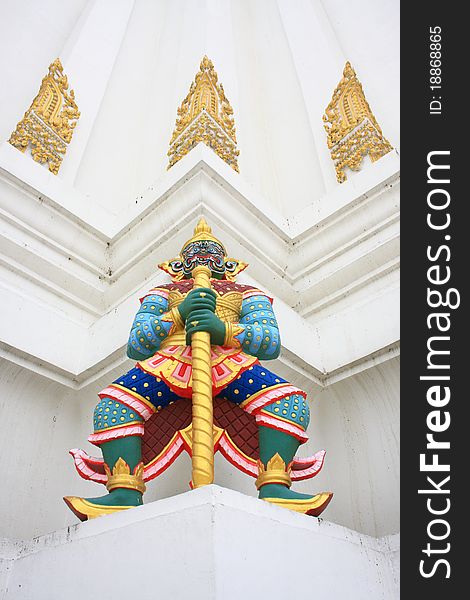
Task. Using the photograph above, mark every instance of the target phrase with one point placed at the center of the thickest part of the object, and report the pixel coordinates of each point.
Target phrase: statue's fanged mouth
(206, 253)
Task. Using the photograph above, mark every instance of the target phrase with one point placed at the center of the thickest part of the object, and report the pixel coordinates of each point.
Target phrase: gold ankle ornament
(275, 472)
(121, 476)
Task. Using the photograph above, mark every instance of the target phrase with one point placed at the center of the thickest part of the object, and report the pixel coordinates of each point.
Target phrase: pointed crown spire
(203, 231)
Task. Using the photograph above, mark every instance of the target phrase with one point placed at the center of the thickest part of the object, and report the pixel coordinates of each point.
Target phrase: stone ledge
(212, 543)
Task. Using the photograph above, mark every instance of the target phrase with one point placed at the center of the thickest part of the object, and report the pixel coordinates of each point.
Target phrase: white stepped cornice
(65, 253)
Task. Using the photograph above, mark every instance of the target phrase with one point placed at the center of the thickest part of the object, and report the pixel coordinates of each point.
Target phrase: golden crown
(202, 231)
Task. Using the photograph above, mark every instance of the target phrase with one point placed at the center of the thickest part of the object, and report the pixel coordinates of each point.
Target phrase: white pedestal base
(211, 543)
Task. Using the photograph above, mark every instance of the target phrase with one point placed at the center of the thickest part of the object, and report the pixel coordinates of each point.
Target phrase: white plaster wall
(159, 58)
(32, 35)
(277, 79)
(259, 61)
(371, 44)
(125, 148)
(39, 421)
(355, 420)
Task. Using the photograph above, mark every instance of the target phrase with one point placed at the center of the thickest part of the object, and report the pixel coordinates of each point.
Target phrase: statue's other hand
(205, 320)
(198, 299)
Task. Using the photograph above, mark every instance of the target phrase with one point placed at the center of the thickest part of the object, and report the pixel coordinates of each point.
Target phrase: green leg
(130, 449)
(270, 442)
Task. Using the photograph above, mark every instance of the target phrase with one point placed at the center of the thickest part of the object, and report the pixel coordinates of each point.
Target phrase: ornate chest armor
(228, 309)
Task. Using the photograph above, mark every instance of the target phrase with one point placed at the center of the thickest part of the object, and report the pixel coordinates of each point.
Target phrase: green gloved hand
(203, 319)
(198, 299)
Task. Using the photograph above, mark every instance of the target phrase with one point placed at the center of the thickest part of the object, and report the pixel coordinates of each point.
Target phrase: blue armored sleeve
(150, 327)
(260, 333)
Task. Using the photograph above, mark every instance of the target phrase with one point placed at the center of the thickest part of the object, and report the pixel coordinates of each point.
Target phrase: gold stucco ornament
(48, 124)
(205, 115)
(352, 129)
(120, 476)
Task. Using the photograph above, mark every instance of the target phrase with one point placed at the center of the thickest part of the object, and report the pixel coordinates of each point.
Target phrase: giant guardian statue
(199, 385)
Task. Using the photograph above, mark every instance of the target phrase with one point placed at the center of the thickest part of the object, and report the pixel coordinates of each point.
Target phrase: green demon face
(204, 252)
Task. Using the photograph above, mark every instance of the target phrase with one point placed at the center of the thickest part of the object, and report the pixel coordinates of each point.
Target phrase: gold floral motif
(48, 124)
(231, 331)
(276, 471)
(352, 129)
(187, 434)
(121, 477)
(205, 115)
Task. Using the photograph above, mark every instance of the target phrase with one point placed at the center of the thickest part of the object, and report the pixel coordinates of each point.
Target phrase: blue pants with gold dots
(130, 400)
